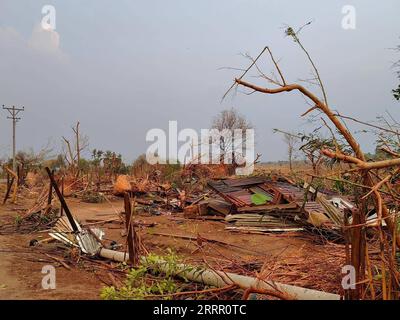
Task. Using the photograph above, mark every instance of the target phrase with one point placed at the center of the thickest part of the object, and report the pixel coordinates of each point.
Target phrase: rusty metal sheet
(237, 191)
(312, 206)
(289, 192)
(243, 182)
(242, 195)
(220, 186)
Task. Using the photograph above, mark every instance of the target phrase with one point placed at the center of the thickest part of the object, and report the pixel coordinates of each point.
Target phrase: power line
(14, 117)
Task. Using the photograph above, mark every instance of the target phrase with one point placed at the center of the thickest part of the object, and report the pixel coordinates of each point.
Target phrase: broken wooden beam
(130, 231)
(62, 201)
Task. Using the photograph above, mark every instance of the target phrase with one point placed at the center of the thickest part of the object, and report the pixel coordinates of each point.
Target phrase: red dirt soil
(21, 265)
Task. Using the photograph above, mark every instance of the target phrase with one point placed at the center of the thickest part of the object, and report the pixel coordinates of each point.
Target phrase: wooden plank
(130, 230)
(221, 207)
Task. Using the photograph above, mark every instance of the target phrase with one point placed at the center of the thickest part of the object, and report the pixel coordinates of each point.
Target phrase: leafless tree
(290, 141)
(72, 151)
(230, 120)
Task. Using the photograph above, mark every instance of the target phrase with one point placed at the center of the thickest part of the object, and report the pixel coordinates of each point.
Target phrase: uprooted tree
(377, 180)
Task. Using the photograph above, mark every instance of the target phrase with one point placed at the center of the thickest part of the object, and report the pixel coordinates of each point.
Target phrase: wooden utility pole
(14, 112)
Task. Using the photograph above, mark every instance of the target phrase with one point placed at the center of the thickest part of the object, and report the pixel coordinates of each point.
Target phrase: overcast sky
(124, 67)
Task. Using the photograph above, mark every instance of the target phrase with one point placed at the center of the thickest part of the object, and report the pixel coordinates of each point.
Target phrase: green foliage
(259, 199)
(342, 187)
(290, 33)
(108, 293)
(18, 220)
(84, 165)
(318, 183)
(51, 216)
(108, 162)
(96, 157)
(339, 186)
(396, 93)
(138, 286)
(313, 143)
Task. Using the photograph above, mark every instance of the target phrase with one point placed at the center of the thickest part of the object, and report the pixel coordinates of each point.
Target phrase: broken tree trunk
(50, 196)
(9, 185)
(15, 180)
(62, 201)
(221, 279)
(131, 235)
(359, 155)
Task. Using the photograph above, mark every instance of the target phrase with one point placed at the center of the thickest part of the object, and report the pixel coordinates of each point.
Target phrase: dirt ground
(21, 265)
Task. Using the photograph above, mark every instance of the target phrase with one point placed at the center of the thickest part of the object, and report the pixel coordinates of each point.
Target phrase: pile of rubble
(260, 205)
(255, 205)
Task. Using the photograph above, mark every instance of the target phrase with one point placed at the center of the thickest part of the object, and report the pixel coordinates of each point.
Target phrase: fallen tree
(222, 279)
(359, 254)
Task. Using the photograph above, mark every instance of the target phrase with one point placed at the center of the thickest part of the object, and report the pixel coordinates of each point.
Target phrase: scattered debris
(252, 205)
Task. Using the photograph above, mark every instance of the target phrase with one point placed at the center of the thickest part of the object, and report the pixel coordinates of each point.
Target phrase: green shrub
(137, 286)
